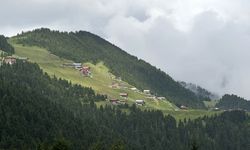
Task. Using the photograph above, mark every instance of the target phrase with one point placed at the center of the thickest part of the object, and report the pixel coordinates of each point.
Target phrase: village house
(9, 60)
(73, 65)
(183, 107)
(146, 91)
(124, 95)
(133, 89)
(139, 102)
(115, 85)
(216, 109)
(161, 98)
(85, 70)
(114, 101)
(68, 65)
(151, 97)
(77, 65)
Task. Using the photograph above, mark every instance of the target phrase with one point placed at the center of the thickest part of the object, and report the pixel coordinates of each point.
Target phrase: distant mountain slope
(233, 102)
(200, 92)
(86, 47)
(5, 46)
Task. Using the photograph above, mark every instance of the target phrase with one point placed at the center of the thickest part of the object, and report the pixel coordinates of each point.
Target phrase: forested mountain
(86, 47)
(39, 112)
(233, 102)
(5, 46)
(200, 92)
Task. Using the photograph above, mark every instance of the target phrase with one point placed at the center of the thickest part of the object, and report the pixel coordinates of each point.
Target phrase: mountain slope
(100, 82)
(36, 110)
(86, 47)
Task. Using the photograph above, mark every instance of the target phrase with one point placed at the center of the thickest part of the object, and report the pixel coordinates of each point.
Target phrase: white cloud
(205, 42)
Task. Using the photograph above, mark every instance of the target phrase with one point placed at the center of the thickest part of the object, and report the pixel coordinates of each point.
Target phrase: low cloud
(203, 42)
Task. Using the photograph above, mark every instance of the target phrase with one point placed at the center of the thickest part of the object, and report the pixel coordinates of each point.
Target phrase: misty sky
(206, 42)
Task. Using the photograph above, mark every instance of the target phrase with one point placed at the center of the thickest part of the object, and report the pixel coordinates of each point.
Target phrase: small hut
(9, 60)
(124, 95)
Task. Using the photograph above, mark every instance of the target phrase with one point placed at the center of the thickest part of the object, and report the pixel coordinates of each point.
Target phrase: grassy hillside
(86, 47)
(100, 82)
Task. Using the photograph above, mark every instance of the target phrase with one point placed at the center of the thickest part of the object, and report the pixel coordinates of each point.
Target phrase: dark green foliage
(39, 112)
(194, 146)
(86, 47)
(5, 46)
(61, 145)
(35, 108)
(233, 102)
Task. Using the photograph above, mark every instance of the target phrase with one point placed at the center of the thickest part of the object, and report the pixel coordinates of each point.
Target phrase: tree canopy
(5, 46)
(46, 113)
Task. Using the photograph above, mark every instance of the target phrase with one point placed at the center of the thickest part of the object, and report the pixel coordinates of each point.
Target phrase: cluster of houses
(9, 60)
(84, 70)
(12, 60)
(123, 100)
(124, 96)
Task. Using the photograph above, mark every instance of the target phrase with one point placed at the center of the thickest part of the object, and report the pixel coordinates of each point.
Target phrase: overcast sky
(206, 42)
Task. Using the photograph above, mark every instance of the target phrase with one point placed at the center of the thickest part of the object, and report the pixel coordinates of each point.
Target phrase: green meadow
(101, 81)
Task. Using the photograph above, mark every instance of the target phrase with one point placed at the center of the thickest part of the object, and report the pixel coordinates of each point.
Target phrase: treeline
(5, 46)
(39, 112)
(233, 102)
(86, 47)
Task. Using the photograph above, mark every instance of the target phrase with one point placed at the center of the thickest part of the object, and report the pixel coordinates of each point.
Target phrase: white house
(146, 91)
(140, 102)
(77, 65)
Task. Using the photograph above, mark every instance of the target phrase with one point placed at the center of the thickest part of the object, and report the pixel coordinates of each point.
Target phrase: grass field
(101, 81)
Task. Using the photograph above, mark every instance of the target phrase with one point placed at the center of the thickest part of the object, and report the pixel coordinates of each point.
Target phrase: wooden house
(146, 91)
(183, 107)
(115, 85)
(9, 60)
(114, 101)
(124, 95)
(77, 65)
(140, 102)
(85, 70)
(161, 98)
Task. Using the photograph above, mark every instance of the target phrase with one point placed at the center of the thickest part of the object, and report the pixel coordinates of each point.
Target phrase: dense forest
(233, 102)
(86, 47)
(5, 46)
(46, 113)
